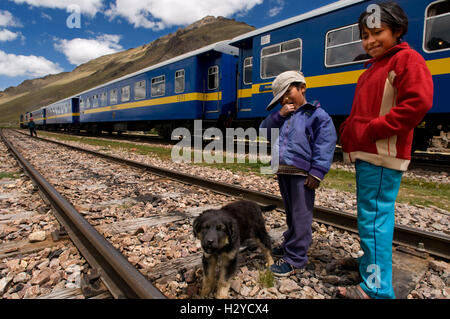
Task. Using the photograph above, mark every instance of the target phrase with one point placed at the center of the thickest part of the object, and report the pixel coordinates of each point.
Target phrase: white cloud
(158, 14)
(7, 20)
(6, 35)
(46, 16)
(90, 7)
(79, 50)
(277, 9)
(20, 65)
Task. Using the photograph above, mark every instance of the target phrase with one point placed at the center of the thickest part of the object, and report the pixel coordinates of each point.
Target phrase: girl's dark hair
(391, 14)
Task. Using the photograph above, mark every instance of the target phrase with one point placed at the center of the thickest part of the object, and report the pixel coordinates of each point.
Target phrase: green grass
(340, 180)
(105, 145)
(266, 278)
(425, 193)
(10, 175)
(412, 191)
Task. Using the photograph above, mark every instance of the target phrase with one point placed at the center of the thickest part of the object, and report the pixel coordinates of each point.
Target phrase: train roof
(304, 16)
(35, 110)
(221, 46)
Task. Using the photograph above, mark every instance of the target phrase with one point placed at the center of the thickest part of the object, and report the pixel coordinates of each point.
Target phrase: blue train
(229, 83)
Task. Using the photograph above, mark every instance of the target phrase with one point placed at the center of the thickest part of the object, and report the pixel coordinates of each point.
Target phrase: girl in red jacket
(391, 99)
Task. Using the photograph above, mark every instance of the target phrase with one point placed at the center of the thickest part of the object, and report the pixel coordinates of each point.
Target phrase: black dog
(221, 232)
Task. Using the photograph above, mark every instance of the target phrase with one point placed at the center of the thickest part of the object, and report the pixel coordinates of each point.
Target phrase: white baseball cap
(282, 83)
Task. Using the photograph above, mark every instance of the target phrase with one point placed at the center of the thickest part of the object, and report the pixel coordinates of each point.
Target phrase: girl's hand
(312, 182)
(287, 109)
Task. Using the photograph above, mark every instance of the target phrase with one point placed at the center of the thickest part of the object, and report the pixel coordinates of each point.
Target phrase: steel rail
(431, 162)
(121, 278)
(435, 244)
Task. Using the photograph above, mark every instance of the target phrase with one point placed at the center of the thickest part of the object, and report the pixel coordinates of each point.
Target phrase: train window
(343, 46)
(88, 103)
(281, 57)
(213, 77)
(437, 27)
(113, 96)
(158, 86)
(179, 81)
(248, 70)
(271, 50)
(95, 101)
(125, 94)
(103, 99)
(139, 90)
(81, 104)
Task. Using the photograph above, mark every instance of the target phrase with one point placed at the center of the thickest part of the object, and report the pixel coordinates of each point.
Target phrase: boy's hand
(287, 109)
(312, 182)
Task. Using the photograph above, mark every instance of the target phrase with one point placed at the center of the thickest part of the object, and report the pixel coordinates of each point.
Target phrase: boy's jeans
(298, 203)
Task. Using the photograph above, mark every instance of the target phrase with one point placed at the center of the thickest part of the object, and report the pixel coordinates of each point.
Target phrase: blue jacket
(307, 138)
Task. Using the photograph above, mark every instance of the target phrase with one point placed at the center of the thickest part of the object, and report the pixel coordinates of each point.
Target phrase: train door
(245, 85)
(212, 91)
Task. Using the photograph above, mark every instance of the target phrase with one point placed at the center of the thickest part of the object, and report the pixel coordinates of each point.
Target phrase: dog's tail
(266, 208)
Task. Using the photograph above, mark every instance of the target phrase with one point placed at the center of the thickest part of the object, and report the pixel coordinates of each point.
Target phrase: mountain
(32, 94)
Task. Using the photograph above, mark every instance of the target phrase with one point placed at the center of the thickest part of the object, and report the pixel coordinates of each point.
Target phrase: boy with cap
(306, 143)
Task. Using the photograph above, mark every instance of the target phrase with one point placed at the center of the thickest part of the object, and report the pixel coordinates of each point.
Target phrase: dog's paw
(222, 290)
(269, 261)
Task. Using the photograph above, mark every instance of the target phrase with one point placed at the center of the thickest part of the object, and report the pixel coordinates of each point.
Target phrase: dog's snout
(210, 243)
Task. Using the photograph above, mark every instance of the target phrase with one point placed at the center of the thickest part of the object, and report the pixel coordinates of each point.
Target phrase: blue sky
(36, 38)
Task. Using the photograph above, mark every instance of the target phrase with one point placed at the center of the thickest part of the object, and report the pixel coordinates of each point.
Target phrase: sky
(41, 37)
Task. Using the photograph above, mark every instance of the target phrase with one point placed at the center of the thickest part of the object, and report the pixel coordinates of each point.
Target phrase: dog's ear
(197, 225)
(232, 231)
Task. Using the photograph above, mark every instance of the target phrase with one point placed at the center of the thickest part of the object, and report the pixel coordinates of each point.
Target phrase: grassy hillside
(32, 94)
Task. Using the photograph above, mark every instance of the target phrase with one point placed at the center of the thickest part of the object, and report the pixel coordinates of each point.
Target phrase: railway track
(435, 245)
(121, 278)
(435, 162)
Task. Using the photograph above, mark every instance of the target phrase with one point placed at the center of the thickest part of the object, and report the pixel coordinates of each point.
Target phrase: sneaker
(278, 251)
(282, 268)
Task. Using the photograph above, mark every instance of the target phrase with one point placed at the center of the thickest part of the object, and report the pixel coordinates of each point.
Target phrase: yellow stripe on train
(437, 67)
(216, 96)
(61, 115)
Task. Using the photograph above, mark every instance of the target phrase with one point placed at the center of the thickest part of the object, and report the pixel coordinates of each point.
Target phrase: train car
(198, 85)
(21, 121)
(64, 114)
(325, 45)
(26, 118)
(39, 118)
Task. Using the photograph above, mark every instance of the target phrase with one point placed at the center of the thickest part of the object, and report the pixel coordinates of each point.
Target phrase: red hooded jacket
(391, 99)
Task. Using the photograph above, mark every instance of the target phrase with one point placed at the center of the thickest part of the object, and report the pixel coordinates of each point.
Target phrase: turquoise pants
(376, 190)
